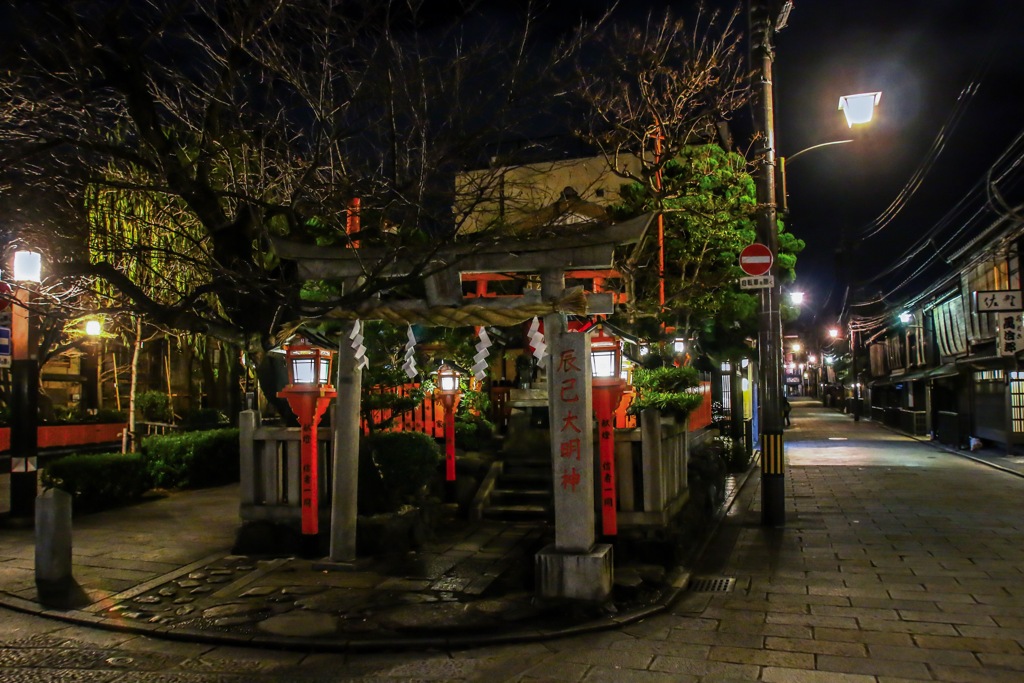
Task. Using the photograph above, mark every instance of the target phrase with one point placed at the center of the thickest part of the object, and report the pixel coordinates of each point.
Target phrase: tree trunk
(134, 383)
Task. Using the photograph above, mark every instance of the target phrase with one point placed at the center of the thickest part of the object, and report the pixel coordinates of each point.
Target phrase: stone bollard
(53, 541)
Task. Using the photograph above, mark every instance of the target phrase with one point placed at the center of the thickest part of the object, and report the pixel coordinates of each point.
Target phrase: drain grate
(712, 584)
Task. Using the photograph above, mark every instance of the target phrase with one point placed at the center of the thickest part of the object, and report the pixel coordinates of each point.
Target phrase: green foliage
(153, 406)
(666, 388)
(98, 481)
(192, 459)
(398, 466)
(709, 202)
(473, 432)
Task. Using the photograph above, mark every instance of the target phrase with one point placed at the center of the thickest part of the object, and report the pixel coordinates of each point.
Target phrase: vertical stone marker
(573, 567)
(53, 541)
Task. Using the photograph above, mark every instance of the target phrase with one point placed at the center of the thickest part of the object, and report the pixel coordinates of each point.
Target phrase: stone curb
(675, 585)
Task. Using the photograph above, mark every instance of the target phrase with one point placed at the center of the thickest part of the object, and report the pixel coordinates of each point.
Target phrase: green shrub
(406, 461)
(473, 432)
(98, 481)
(192, 459)
(154, 406)
(668, 389)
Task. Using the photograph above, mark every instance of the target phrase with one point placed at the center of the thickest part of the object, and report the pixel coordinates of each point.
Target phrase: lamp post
(605, 362)
(25, 388)
(308, 392)
(763, 25)
(449, 387)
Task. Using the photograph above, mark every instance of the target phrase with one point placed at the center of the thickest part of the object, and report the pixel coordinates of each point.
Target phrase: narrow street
(898, 562)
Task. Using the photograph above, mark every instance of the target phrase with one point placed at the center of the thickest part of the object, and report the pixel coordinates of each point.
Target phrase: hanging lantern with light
(309, 391)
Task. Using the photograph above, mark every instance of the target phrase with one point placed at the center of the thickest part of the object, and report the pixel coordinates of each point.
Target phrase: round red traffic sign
(756, 259)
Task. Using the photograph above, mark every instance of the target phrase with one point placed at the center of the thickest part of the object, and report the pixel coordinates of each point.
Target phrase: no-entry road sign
(756, 259)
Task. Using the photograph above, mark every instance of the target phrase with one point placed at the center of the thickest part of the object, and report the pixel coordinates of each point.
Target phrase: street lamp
(859, 108)
(448, 385)
(833, 333)
(25, 388)
(308, 392)
(605, 361)
(93, 328)
(796, 298)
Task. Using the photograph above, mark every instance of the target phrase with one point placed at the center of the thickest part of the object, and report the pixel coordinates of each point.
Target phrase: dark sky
(921, 55)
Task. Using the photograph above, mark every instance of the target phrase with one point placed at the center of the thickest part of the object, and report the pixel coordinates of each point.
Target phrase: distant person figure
(786, 410)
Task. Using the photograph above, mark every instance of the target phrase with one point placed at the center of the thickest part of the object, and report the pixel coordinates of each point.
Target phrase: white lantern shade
(28, 266)
(602, 364)
(93, 328)
(859, 108)
(679, 346)
(304, 370)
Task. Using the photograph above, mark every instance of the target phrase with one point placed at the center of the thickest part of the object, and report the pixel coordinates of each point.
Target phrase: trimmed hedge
(192, 459)
(98, 481)
(394, 468)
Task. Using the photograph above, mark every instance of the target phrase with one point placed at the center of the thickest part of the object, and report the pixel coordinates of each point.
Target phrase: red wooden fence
(67, 436)
(428, 416)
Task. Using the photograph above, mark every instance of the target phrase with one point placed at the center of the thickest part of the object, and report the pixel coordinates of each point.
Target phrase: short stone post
(53, 541)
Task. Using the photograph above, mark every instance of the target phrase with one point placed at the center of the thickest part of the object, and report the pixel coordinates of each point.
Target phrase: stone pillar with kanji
(573, 566)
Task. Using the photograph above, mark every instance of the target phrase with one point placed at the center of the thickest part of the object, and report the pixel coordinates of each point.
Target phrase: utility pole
(769, 338)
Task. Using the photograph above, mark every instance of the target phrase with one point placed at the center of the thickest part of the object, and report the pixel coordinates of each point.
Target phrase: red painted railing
(68, 436)
(428, 417)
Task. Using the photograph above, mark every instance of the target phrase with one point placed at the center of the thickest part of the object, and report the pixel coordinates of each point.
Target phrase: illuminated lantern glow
(448, 383)
(93, 328)
(308, 392)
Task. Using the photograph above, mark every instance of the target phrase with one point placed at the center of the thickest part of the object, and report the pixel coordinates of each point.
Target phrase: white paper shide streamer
(409, 365)
(536, 337)
(483, 349)
(357, 345)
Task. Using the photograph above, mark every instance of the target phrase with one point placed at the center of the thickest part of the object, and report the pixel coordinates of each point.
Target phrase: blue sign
(5, 347)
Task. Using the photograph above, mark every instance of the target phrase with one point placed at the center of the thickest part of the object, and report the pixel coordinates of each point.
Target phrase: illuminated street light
(28, 266)
(796, 298)
(93, 328)
(833, 332)
(859, 108)
(906, 317)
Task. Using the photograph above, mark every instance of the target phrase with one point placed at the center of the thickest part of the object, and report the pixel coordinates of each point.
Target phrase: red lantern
(448, 387)
(309, 392)
(605, 361)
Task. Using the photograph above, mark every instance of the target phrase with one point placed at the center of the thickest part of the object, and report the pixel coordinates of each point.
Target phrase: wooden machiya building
(949, 363)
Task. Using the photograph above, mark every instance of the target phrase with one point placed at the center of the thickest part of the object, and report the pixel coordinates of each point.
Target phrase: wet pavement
(899, 561)
(163, 568)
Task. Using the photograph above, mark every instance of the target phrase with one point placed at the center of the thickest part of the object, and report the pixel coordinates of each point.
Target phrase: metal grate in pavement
(712, 584)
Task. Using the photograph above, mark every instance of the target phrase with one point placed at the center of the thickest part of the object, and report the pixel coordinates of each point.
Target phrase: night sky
(951, 72)
(921, 55)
